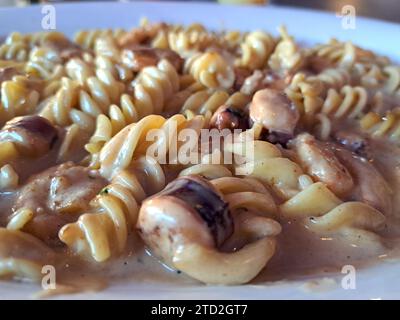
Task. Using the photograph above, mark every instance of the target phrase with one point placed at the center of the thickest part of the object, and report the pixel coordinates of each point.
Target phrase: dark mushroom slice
(33, 135)
(64, 47)
(370, 186)
(7, 73)
(139, 57)
(241, 74)
(188, 207)
(276, 113)
(263, 79)
(354, 142)
(229, 117)
(319, 161)
(57, 196)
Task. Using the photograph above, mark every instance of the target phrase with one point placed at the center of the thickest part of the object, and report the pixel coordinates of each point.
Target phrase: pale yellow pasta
(104, 232)
(8, 152)
(306, 93)
(8, 177)
(263, 161)
(392, 83)
(135, 140)
(87, 38)
(188, 42)
(211, 70)
(81, 105)
(18, 46)
(368, 75)
(70, 137)
(382, 126)
(20, 218)
(256, 49)
(310, 99)
(335, 78)
(324, 213)
(206, 102)
(17, 98)
(351, 102)
(22, 256)
(17, 51)
(45, 63)
(153, 87)
(287, 56)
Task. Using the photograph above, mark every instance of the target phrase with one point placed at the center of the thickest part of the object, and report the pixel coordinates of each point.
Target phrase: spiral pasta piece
(18, 46)
(345, 54)
(17, 98)
(351, 102)
(211, 70)
(87, 38)
(265, 162)
(188, 41)
(327, 215)
(8, 177)
(104, 231)
(306, 93)
(81, 100)
(256, 224)
(206, 102)
(154, 86)
(17, 51)
(308, 96)
(334, 52)
(45, 63)
(287, 57)
(387, 126)
(334, 78)
(392, 83)
(135, 139)
(118, 70)
(256, 50)
(108, 56)
(368, 75)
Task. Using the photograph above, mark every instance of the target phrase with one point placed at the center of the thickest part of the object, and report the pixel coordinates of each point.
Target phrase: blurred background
(380, 9)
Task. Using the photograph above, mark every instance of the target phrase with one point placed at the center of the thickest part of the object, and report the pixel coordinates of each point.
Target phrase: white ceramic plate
(382, 281)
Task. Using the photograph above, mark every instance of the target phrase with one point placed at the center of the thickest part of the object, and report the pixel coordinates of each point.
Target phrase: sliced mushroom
(142, 34)
(259, 80)
(7, 74)
(64, 47)
(186, 224)
(55, 197)
(274, 111)
(354, 142)
(241, 74)
(369, 185)
(279, 138)
(229, 117)
(189, 207)
(34, 135)
(320, 162)
(139, 57)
